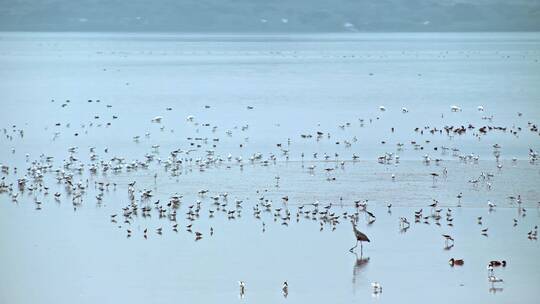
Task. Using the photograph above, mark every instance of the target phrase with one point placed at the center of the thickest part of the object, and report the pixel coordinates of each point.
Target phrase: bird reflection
(496, 289)
(359, 263)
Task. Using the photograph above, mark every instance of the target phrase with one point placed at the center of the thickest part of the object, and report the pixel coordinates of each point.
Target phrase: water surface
(296, 84)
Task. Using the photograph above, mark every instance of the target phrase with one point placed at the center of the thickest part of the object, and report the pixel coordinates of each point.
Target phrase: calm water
(297, 84)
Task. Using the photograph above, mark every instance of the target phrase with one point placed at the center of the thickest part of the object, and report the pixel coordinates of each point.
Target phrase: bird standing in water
(242, 288)
(360, 237)
(285, 289)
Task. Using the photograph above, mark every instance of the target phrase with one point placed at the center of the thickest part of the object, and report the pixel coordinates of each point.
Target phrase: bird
(459, 196)
(448, 238)
(484, 231)
(242, 288)
(497, 263)
(285, 289)
(404, 223)
(456, 262)
(494, 279)
(434, 175)
(360, 237)
(377, 287)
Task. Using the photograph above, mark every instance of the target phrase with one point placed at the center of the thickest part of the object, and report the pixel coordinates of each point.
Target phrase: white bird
(494, 279)
(242, 287)
(455, 109)
(377, 288)
(285, 289)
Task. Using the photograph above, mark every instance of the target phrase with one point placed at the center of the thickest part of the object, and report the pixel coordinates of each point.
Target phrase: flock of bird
(78, 178)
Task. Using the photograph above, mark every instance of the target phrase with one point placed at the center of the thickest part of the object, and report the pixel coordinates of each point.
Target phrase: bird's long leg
(351, 250)
(361, 249)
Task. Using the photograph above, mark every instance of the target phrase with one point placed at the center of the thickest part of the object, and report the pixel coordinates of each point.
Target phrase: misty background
(269, 15)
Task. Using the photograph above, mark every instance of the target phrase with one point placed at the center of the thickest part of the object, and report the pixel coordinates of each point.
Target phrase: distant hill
(269, 15)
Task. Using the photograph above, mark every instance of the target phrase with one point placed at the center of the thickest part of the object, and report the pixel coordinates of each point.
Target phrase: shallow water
(297, 84)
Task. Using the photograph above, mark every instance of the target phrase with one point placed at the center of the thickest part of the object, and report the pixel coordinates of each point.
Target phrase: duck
(456, 262)
(497, 263)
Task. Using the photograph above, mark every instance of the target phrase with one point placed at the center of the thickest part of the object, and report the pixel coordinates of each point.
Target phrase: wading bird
(360, 237)
(242, 288)
(285, 289)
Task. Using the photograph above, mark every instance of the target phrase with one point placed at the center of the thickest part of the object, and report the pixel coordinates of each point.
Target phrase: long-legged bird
(360, 237)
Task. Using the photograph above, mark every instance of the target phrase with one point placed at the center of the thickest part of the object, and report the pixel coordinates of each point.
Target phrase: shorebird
(494, 279)
(490, 270)
(532, 235)
(434, 175)
(484, 231)
(404, 224)
(285, 289)
(242, 288)
(360, 237)
(448, 238)
(455, 109)
(157, 119)
(377, 287)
